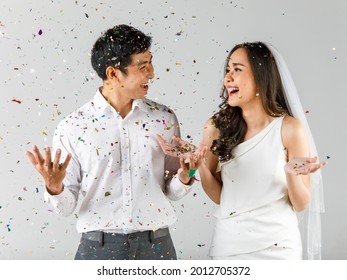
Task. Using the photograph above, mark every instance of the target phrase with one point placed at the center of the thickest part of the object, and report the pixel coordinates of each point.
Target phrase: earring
(257, 94)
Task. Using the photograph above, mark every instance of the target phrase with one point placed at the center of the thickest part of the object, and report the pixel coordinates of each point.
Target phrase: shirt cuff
(59, 201)
(178, 189)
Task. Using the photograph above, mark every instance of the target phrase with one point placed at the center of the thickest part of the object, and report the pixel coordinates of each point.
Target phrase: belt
(108, 237)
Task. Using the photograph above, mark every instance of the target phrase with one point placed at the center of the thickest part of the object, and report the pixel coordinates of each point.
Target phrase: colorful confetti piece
(16, 100)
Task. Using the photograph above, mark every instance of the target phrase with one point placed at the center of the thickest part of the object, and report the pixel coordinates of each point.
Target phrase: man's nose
(151, 72)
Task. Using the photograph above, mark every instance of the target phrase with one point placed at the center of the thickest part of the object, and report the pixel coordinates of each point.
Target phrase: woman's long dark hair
(229, 120)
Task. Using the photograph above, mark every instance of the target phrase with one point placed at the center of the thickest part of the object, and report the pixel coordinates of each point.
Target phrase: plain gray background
(46, 73)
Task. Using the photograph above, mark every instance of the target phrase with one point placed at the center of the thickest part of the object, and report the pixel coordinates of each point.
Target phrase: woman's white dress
(255, 219)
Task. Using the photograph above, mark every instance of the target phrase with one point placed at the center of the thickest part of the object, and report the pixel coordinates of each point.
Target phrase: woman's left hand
(190, 164)
(303, 165)
(191, 157)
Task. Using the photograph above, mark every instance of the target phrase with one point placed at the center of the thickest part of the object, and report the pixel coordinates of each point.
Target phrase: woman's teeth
(233, 89)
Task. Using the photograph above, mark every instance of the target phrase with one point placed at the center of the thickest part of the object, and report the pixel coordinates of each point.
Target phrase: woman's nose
(229, 78)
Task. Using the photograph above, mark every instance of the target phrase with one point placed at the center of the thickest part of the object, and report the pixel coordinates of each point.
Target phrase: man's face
(140, 71)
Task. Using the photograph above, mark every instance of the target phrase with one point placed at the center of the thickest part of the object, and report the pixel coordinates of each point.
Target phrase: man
(112, 157)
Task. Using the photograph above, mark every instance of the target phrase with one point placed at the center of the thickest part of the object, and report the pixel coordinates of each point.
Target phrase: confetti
(16, 100)
(40, 32)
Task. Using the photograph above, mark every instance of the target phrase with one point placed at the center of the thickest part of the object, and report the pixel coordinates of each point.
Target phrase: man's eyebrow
(145, 61)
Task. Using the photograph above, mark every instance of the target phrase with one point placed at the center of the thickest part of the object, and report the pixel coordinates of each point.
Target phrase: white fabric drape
(316, 207)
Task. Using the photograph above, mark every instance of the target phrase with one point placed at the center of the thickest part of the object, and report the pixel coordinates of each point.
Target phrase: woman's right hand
(303, 165)
(54, 172)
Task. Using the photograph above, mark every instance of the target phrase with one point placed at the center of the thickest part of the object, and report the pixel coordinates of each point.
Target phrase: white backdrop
(45, 73)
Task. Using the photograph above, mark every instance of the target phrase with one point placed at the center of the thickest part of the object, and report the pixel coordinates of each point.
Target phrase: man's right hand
(54, 172)
(182, 149)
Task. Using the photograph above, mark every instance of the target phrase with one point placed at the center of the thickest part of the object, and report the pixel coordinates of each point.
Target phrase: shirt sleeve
(65, 203)
(175, 189)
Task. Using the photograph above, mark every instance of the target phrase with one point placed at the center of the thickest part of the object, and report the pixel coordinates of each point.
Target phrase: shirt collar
(102, 104)
(141, 104)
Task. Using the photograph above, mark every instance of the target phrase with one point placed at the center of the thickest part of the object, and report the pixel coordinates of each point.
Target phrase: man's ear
(112, 73)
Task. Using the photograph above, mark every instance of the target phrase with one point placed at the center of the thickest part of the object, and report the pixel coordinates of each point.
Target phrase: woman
(258, 165)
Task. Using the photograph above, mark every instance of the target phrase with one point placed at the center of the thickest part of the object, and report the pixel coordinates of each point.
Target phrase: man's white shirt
(118, 167)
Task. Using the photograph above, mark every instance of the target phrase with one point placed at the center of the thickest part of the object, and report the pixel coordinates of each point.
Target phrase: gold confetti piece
(43, 132)
(151, 204)
(107, 193)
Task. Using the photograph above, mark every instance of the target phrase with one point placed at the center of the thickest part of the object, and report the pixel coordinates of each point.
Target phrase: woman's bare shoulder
(292, 130)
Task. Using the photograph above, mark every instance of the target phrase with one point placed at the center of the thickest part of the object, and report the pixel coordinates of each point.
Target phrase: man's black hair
(115, 47)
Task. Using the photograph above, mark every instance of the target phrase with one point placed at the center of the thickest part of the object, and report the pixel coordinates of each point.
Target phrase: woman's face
(239, 80)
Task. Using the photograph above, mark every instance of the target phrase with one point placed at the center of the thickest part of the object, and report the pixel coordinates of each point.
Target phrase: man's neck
(120, 104)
